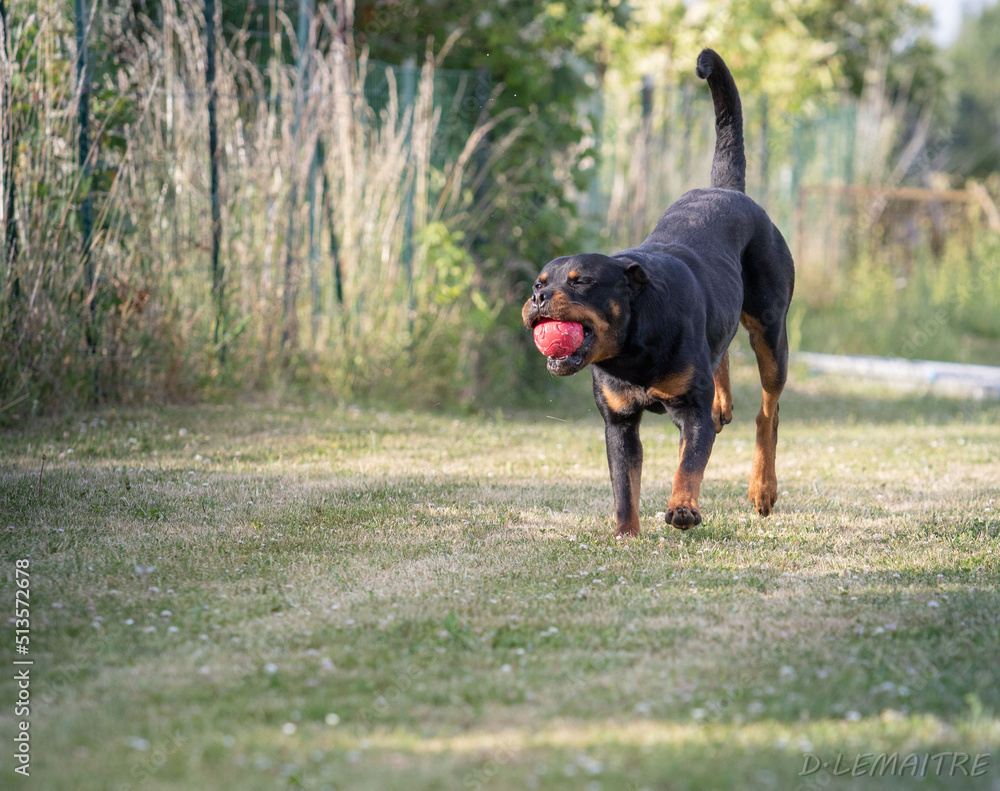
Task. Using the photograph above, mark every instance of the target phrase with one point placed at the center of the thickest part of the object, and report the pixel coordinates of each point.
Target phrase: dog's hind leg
(770, 345)
(722, 405)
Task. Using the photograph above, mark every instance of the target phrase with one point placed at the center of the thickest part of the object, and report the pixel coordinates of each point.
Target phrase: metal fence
(847, 182)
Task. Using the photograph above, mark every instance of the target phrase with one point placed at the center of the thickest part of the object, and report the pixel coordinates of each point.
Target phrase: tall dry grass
(345, 228)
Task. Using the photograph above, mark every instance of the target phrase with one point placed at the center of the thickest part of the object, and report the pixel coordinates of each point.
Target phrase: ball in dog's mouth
(558, 338)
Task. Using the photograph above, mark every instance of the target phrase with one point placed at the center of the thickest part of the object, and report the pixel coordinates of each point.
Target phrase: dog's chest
(624, 397)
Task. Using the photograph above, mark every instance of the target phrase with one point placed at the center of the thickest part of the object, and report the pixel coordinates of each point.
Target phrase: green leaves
(448, 263)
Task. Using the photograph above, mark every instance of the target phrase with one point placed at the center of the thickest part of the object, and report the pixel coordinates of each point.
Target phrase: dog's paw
(763, 494)
(628, 528)
(683, 514)
(722, 415)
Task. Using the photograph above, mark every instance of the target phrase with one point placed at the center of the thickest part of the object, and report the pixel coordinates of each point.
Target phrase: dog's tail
(729, 165)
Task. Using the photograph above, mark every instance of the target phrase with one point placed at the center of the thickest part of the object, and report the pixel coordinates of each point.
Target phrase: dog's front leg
(697, 437)
(625, 462)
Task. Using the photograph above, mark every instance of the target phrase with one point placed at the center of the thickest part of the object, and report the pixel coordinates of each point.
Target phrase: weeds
(344, 256)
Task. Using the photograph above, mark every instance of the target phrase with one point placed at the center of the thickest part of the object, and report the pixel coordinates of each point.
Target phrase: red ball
(558, 338)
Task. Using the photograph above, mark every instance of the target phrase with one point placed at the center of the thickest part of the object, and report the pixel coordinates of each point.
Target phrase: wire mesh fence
(838, 183)
(327, 228)
(292, 214)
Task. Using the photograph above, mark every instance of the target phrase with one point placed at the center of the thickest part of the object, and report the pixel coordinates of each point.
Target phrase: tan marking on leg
(630, 527)
(763, 480)
(682, 510)
(766, 363)
(763, 490)
(722, 404)
(619, 402)
(674, 385)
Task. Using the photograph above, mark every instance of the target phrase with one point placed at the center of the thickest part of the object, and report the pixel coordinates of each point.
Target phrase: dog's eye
(584, 281)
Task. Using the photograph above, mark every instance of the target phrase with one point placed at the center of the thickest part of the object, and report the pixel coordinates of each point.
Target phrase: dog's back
(722, 237)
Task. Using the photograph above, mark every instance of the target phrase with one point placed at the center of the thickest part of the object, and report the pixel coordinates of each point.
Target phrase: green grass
(268, 598)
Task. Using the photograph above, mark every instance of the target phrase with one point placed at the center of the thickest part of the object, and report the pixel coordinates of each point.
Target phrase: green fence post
(409, 84)
(213, 155)
(306, 15)
(765, 153)
(83, 142)
(87, 205)
(7, 153)
(290, 323)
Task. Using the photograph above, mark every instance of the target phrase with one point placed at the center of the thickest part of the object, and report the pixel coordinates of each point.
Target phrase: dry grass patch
(448, 594)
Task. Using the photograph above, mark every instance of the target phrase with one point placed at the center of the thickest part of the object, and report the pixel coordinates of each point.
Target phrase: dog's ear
(637, 277)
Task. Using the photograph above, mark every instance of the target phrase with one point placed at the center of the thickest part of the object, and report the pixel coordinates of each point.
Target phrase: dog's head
(594, 290)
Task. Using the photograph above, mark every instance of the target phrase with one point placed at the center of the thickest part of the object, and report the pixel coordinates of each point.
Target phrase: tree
(803, 54)
(975, 58)
(858, 29)
(539, 54)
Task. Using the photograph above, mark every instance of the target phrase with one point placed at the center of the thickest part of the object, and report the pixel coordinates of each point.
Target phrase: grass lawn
(270, 598)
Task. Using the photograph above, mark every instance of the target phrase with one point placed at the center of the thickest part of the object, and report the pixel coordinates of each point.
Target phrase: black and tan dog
(658, 320)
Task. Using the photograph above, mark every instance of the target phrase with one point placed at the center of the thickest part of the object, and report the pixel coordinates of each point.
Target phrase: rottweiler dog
(658, 320)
